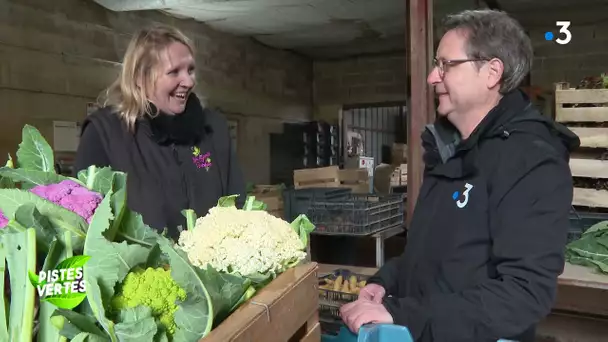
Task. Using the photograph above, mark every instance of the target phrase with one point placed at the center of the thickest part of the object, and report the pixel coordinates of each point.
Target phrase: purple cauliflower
(71, 196)
(3, 220)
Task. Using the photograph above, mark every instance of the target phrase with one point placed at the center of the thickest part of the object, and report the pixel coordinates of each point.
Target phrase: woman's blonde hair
(128, 94)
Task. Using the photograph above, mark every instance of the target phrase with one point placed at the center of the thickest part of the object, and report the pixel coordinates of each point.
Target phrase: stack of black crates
(303, 145)
(321, 143)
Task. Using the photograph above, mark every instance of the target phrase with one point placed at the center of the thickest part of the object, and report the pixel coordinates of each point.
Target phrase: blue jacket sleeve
(529, 225)
(388, 275)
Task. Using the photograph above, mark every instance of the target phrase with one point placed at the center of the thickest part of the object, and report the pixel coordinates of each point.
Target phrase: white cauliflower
(239, 241)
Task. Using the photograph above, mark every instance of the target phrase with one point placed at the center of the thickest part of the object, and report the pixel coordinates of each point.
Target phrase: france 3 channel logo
(564, 33)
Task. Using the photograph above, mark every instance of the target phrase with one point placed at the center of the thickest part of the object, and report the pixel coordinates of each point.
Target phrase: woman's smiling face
(176, 79)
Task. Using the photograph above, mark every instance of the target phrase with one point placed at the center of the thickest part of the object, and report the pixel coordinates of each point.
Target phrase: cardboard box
(399, 154)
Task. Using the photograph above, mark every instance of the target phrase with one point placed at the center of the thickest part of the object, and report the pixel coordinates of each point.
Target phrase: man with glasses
(486, 242)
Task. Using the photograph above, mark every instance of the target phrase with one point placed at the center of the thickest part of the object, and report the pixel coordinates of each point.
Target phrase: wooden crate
(355, 179)
(399, 153)
(323, 177)
(399, 176)
(287, 309)
(332, 177)
(570, 109)
(589, 168)
(267, 189)
(565, 96)
(272, 195)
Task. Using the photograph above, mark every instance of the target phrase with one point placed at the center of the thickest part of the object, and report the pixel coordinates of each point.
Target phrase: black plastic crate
(580, 221)
(331, 300)
(357, 215)
(298, 201)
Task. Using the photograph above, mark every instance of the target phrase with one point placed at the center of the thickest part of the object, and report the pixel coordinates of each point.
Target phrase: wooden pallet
(568, 110)
(332, 177)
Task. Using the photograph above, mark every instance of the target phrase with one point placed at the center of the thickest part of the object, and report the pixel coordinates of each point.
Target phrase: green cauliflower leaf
(109, 264)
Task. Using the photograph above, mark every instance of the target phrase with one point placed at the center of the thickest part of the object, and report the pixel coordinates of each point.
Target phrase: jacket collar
(443, 144)
(187, 128)
(448, 155)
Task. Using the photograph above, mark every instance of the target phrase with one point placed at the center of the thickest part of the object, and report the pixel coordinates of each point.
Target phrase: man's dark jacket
(486, 242)
(164, 163)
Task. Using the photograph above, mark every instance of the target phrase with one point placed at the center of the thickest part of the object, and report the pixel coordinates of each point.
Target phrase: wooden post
(420, 49)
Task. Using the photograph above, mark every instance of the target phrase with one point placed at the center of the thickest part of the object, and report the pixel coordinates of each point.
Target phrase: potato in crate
(338, 288)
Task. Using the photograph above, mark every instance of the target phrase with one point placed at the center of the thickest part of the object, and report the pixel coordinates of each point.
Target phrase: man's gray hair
(494, 34)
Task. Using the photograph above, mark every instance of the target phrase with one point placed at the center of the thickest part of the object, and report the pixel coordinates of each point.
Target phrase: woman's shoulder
(103, 113)
(104, 118)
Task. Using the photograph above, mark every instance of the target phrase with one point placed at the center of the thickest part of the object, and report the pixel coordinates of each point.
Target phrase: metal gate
(379, 124)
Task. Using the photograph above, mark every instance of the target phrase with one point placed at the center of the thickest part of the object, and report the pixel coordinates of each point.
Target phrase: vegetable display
(351, 285)
(591, 249)
(153, 288)
(140, 285)
(249, 243)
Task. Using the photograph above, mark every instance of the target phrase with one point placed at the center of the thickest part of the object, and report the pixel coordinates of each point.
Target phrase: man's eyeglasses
(442, 64)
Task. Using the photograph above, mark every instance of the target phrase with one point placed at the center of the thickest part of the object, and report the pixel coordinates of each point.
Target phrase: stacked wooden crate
(287, 309)
(585, 112)
(399, 153)
(332, 177)
(399, 177)
(272, 195)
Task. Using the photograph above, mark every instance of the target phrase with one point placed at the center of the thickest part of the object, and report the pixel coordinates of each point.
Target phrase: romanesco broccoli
(154, 288)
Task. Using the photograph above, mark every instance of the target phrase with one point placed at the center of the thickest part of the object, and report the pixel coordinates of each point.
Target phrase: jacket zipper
(182, 174)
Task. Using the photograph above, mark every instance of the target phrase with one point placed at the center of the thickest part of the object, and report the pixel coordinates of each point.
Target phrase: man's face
(460, 86)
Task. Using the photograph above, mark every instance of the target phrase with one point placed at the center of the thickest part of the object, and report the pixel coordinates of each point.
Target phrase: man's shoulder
(507, 161)
(528, 145)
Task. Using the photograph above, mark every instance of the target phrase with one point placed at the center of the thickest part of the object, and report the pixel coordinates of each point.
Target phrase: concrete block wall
(57, 56)
(585, 55)
(369, 79)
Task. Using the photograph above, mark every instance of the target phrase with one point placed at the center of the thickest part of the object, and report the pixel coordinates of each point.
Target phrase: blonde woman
(151, 125)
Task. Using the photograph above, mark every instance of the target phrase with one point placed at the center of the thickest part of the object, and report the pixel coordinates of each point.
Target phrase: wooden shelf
(580, 276)
(590, 198)
(589, 168)
(592, 137)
